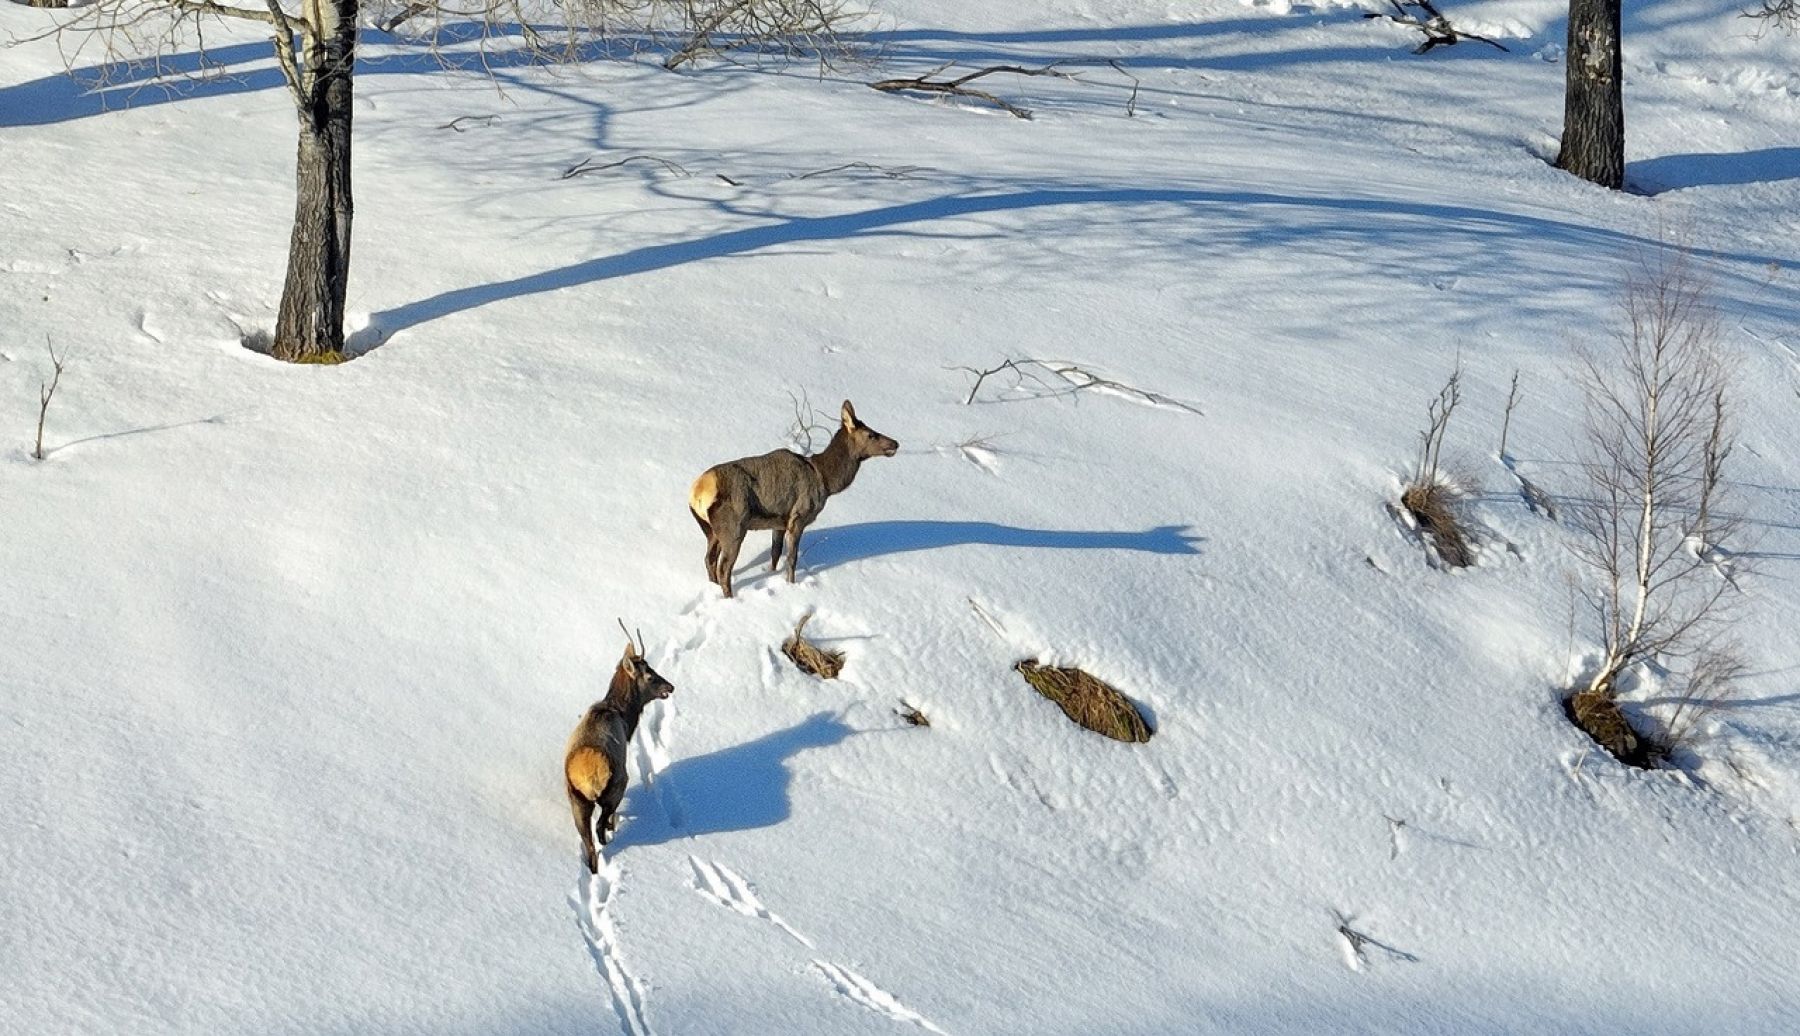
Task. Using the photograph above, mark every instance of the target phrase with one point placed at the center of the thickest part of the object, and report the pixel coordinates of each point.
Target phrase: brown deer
(594, 766)
(782, 491)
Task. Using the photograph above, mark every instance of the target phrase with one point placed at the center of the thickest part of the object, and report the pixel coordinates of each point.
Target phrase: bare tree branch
(1432, 22)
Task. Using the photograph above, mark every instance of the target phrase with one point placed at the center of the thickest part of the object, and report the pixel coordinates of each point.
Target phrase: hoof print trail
(729, 889)
(593, 917)
(867, 994)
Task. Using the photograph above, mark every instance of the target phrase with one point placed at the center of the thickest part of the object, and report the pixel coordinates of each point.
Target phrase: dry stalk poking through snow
(1652, 529)
(47, 391)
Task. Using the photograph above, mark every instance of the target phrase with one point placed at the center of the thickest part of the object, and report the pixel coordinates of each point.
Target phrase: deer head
(635, 676)
(865, 442)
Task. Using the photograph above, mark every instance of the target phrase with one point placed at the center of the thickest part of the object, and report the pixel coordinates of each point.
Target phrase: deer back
(773, 485)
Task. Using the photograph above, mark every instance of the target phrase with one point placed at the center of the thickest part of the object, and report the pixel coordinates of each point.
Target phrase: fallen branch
(959, 87)
(582, 168)
(904, 172)
(1131, 102)
(456, 123)
(1436, 27)
(1070, 379)
(1359, 942)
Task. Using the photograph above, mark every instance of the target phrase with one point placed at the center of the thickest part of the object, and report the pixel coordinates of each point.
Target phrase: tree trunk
(311, 320)
(1593, 142)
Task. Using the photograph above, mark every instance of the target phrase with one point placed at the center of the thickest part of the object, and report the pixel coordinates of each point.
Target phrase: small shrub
(911, 715)
(809, 657)
(1087, 700)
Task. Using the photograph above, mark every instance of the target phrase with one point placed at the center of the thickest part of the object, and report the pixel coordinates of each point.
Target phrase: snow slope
(290, 653)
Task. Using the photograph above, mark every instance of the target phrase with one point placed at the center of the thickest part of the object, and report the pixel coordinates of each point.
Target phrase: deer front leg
(775, 551)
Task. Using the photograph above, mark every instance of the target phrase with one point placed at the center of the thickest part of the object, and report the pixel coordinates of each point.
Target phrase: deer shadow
(739, 788)
(829, 548)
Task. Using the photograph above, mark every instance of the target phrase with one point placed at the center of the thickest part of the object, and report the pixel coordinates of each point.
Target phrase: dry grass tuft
(1087, 700)
(811, 658)
(911, 715)
(1437, 507)
(1598, 714)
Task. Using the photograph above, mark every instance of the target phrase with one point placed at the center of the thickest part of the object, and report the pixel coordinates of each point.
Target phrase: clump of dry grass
(1087, 700)
(1598, 714)
(1437, 508)
(809, 657)
(911, 715)
(1433, 499)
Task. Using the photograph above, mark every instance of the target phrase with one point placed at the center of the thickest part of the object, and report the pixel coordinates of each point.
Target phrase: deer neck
(621, 697)
(837, 464)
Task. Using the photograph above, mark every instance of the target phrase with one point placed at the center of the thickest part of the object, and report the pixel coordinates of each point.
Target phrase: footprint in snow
(592, 901)
(723, 886)
(867, 994)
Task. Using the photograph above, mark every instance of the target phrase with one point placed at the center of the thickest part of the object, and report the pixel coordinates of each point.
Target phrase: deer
(594, 764)
(782, 491)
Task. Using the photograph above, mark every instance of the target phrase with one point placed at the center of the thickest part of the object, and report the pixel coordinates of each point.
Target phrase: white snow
(290, 654)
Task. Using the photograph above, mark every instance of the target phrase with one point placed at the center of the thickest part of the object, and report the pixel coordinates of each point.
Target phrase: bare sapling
(1512, 400)
(1432, 497)
(47, 391)
(1653, 530)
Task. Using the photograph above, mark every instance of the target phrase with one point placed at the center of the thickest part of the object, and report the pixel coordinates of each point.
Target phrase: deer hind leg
(794, 530)
(609, 809)
(584, 822)
(775, 551)
(728, 555)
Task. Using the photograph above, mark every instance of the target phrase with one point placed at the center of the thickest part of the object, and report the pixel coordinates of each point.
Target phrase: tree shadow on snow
(1675, 172)
(739, 788)
(244, 68)
(844, 543)
(1266, 214)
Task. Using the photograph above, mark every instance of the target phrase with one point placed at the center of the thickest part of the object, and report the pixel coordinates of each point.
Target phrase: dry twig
(958, 87)
(479, 120)
(582, 168)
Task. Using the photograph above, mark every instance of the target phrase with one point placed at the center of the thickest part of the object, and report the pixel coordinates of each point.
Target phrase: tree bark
(1593, 142)
(311, 319)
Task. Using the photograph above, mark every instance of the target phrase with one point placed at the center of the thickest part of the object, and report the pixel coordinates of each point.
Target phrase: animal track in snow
(593, 917)
(861, 991)
(651, 750)
(728, 889)
(146, 328)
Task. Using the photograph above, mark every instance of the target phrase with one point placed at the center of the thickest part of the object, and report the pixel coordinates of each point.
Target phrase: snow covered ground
(289, 654)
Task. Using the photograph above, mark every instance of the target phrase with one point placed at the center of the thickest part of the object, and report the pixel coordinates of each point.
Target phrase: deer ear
(631, 651)
(849, 416)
